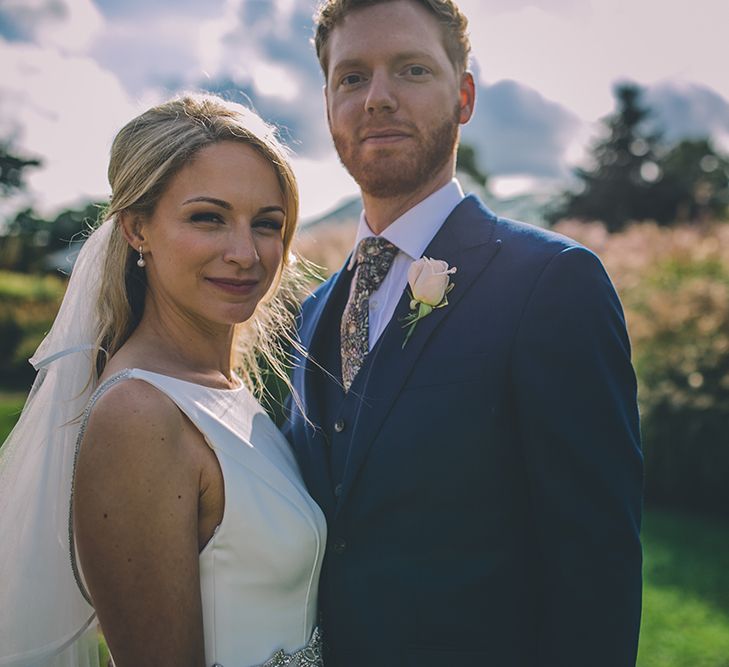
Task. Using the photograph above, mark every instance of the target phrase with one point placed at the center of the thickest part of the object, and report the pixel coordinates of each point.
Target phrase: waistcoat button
(339, 425)
(339, 545)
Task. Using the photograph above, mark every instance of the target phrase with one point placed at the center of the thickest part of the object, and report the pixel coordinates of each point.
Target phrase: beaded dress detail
(259, 573)
(309, 656)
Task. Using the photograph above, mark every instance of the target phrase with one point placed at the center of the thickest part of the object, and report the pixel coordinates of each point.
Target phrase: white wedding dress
(259, 572)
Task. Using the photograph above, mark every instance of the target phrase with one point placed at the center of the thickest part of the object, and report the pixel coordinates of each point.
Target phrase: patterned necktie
(374, 259)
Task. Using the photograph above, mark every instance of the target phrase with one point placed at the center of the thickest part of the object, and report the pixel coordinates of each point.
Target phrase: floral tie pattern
(374, 259)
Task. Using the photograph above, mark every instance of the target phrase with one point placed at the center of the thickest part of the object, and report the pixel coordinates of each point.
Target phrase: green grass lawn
(11, 403)
(686, 593)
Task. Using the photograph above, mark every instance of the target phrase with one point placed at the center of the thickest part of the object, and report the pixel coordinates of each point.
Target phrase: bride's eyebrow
(271, 209)
(210, 200)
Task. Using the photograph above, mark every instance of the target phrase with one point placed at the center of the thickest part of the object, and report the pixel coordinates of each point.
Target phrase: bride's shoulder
(125, 391)
(132, 415)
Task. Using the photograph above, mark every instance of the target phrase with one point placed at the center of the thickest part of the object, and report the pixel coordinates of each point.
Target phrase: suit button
(338, 490)
(339, 545)
(339, 425)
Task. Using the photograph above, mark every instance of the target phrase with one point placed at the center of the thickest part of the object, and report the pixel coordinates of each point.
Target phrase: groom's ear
(466, 97)
(131, 226)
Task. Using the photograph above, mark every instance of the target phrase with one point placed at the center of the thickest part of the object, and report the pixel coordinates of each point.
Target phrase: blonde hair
(145, 155)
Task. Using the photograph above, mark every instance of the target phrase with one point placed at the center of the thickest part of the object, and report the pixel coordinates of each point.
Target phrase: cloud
(64, 109)
(158, 53)
(518, 132)
(65, 24)
(323, 183)
(473, 8)
(689, 110)
(262, 51)
(574, 56)
(143, 9)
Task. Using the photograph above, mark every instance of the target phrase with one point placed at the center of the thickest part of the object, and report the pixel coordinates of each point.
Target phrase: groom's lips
(384, 136)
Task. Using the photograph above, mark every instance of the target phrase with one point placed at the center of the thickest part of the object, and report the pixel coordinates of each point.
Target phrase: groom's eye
(417, 70)
(351, 79)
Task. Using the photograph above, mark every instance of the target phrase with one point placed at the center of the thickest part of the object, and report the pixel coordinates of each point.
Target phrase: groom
(481, 480)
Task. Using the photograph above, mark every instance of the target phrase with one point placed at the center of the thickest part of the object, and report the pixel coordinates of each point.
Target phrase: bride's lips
(235, 286)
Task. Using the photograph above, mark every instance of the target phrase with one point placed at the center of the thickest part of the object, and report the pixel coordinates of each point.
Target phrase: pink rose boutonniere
(430, 283)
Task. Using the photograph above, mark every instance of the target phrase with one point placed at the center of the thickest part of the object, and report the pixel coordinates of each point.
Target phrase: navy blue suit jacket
(488, 511)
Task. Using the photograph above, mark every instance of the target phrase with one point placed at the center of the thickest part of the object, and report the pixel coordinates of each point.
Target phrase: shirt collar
(415, 229)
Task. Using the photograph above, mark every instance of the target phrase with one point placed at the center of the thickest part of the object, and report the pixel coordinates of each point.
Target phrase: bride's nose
(241, 248)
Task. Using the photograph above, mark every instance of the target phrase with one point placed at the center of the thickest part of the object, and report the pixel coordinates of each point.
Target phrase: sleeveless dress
(259, 573)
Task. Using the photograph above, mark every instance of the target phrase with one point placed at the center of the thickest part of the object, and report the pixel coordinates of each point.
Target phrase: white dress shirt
(412, 232)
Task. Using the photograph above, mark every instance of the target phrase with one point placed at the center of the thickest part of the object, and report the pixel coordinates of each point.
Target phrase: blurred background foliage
(635, 175)
(657, 215)
(674, 285)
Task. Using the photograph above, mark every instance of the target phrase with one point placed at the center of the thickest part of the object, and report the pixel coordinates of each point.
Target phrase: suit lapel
(467, 241)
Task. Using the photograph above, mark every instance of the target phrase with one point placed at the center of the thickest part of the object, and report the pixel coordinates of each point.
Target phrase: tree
(31, 239)
(636, 177)
(620, 185)
(467, 163)
(12, 170)
(694, 184)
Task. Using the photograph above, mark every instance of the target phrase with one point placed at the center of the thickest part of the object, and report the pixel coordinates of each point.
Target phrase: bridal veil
(44, 619)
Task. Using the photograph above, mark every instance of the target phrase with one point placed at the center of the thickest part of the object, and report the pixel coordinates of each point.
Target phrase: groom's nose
(381, 93)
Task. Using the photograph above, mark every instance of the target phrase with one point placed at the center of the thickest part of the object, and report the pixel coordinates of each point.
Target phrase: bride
(143, 484)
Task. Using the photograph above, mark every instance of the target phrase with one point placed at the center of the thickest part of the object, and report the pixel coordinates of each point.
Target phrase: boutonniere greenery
(430, 283)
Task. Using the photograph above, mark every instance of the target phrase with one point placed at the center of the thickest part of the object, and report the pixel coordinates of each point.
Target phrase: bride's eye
(269, 224)
(207, 216)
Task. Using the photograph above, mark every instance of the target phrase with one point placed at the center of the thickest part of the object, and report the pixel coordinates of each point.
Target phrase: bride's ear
(132, 228)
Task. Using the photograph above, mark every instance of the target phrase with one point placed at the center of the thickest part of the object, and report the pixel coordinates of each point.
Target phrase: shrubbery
(326, 245)
(28, 305)
(674, 284)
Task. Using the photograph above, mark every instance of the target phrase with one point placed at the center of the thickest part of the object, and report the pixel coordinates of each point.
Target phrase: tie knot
(376, 251)
(374, 259)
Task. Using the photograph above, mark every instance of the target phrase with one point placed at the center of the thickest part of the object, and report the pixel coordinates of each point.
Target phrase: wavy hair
(453, 24)
(145, 155)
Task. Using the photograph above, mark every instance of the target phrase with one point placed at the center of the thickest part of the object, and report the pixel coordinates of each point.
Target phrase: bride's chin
(237, 317)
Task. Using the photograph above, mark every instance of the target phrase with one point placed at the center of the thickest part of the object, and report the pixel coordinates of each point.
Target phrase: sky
(72, 72)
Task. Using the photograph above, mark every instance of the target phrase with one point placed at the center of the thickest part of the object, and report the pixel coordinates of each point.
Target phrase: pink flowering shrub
(326, 245)
(674, 285)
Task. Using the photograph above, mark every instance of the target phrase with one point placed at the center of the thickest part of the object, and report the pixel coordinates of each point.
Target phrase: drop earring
(141, 263)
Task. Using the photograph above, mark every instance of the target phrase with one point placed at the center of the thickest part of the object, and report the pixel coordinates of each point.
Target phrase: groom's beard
(401, 170)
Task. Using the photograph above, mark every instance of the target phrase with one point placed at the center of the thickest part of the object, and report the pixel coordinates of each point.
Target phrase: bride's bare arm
(136, 524)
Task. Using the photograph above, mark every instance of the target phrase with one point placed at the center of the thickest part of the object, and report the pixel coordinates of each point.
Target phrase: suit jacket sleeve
(576, 415)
